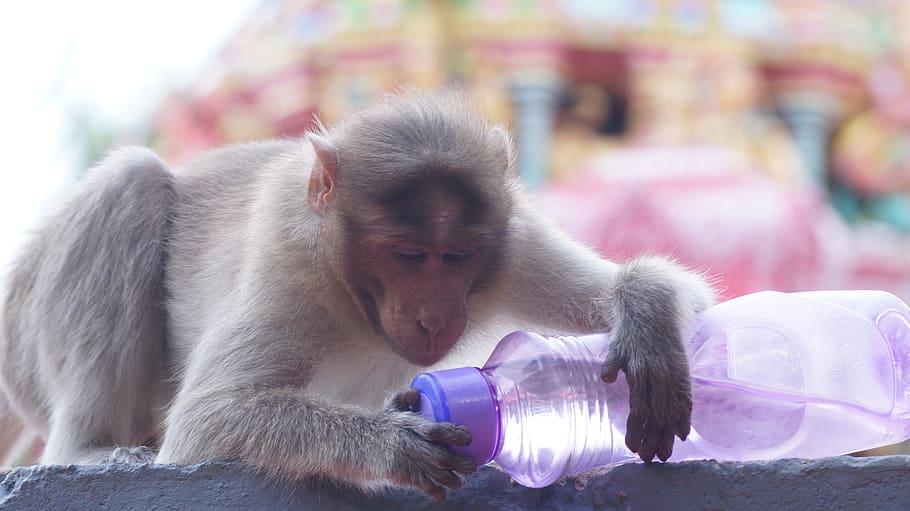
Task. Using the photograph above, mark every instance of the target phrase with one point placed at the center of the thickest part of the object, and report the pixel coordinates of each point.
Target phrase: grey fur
(266, 359)
(83, 340)
(11, 432)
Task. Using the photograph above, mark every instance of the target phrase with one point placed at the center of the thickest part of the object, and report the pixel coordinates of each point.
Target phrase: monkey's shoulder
(241, 157)
(229, 177)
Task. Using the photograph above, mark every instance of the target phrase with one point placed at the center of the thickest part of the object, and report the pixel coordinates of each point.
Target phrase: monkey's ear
(322, 175)
(505, 148)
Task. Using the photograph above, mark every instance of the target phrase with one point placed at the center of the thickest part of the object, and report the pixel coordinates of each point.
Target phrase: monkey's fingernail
(683, 433)
(664, 453)
(609, 373)
(466, 437)
(412, 398)
(647, 454)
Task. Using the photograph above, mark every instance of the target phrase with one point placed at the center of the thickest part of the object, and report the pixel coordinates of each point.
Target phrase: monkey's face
(417, 298)
(416, 205)
(415, 294)
(411, 267)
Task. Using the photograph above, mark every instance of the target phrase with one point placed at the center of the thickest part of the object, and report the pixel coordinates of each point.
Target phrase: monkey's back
(84, 293)
(212, 225)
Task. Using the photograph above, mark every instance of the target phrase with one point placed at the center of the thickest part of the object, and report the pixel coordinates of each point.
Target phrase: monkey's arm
(644, 304)
(244, 399)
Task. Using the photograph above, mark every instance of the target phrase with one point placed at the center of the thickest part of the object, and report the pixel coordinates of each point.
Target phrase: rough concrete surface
(881, 483)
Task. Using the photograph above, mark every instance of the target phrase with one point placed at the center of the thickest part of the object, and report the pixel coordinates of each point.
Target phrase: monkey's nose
(432, 326)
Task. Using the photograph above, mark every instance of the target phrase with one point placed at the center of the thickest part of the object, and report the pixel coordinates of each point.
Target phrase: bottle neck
(585, 347)
(465, 397)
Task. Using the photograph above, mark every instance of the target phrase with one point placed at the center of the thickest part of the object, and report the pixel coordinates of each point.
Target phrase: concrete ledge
(880, 483)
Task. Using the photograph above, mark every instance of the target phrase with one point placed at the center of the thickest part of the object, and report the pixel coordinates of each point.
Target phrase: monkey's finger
(610, 370)
(449, 479)
(649, 446)
(405, 400)
(434, 490)
(682, 431)
(463, 465)
(634, 431)
(665, 448)
(449, 433)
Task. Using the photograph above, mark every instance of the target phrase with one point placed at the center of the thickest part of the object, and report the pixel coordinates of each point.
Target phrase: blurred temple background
(764, 142)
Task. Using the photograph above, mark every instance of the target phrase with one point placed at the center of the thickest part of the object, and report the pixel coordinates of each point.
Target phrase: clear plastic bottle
(774, 375)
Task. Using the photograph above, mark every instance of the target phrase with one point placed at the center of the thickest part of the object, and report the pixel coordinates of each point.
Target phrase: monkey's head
(416, 194)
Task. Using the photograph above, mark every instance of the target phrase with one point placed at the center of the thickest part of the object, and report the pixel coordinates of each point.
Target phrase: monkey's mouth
(421, 351)
(421, 358)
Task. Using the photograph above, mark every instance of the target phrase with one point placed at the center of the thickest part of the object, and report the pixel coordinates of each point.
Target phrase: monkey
(263, 302)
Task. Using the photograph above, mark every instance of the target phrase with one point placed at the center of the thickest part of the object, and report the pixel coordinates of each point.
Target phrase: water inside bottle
(549, 430)
(759, 394)
(738, 421)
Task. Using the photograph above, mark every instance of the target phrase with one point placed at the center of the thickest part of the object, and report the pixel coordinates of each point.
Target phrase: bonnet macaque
(262, 302)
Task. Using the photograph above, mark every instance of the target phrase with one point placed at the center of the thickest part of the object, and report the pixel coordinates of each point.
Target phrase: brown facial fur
(414, 208)
(411, 260)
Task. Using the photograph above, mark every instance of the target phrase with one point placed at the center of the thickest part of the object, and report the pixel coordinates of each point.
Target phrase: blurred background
(765, 142)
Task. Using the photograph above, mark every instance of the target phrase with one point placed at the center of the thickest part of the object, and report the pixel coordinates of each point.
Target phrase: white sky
(112, 58)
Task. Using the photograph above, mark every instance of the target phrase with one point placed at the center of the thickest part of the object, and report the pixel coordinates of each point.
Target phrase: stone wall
(878, 483)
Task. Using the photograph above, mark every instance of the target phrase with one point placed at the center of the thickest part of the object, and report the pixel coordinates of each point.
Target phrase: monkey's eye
(454, 257)
(411, 256)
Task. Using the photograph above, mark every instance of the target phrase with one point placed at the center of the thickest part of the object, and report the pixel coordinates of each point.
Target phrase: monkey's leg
(84, 324)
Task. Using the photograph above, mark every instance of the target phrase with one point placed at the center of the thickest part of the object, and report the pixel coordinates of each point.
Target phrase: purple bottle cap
(463, 396)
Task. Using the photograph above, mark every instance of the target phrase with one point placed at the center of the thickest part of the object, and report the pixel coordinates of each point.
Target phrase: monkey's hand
(660, 400)
(419, 455)
(653, 299)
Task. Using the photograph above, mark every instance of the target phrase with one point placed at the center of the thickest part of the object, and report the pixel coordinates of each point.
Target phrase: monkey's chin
(416, 357)
(424, 359)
